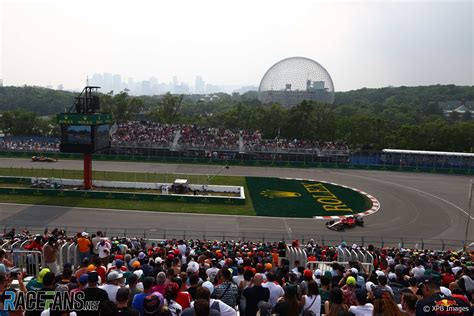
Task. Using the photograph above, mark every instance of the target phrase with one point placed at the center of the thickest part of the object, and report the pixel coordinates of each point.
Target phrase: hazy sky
(360, 43)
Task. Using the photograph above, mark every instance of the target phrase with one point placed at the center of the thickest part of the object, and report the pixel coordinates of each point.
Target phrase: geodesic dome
(295, 79)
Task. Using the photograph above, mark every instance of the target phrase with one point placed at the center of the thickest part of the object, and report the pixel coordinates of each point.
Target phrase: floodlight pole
(87, 171)
(468, 216)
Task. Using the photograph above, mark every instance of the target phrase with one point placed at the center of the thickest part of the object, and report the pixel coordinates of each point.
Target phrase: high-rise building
(107, 82)
(96, 80)
(199, 85)
(145, 87)
(60, 87)
(1, 82)
(175, 84)
(117, 83)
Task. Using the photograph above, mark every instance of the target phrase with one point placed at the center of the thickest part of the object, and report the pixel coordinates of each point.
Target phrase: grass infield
(264, 196)
(176, 207)
(302, 198)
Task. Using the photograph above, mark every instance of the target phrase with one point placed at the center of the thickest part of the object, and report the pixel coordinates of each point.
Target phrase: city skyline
(361, 43)
(153, 86)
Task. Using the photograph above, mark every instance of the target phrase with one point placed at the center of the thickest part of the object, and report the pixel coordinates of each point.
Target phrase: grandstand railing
(268, 236)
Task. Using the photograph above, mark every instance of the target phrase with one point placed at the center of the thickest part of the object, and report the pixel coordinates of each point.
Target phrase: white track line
(410, 188)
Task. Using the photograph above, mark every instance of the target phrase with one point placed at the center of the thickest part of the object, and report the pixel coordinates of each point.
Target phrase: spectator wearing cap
(276, 291)
(118, 266)
(93, 294)
(226, 291)
(254, 295)
(348, 291)
(307, 276)
(84, 246)
(171, 293)
(82, 283)
(429, 288)
(160, 283)
(114, 280)
(153, 305)
(317, 276)
(138, 299)
(37, 284)
(47, 293)
(212, 271)
(122, 298)
(363, 307)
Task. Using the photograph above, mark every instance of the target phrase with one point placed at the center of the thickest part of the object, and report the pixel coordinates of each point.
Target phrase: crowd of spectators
(198, 277)
(145, 132)
(29, 144)
(194, 136)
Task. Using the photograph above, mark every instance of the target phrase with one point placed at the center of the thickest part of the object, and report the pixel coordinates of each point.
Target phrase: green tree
(168, 109)
(20, 123)
(121, 106)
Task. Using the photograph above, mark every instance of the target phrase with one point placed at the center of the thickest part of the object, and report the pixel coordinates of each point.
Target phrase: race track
(413, 205)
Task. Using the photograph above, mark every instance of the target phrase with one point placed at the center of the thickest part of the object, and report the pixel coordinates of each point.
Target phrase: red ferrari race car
(345, 222)
(43, 159)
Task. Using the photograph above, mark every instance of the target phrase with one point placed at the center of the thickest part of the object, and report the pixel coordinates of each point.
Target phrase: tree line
(403, 118)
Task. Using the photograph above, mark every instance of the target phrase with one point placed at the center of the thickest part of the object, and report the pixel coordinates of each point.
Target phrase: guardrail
(267, 236)
(364, 161)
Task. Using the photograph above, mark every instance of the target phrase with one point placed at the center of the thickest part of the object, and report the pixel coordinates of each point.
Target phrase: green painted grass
(176, 207)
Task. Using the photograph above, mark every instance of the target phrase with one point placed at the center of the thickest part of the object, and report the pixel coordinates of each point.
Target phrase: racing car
(345, 222)
(43, 159)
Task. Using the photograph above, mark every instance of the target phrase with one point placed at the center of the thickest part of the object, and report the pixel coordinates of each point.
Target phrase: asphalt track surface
(413, 205)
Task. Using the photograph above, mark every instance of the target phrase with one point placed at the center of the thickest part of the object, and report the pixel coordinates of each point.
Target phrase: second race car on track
(43, 159)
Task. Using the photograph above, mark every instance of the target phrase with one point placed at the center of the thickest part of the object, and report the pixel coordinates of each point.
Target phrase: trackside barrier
(71, 254)
(62, 254)
(327, 266)
(293, 254)
(160, 233)
(29, 261)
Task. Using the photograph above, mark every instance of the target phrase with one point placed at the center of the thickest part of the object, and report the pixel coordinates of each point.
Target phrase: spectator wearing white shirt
(276, 291)
(114, 279)
(363, 308)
